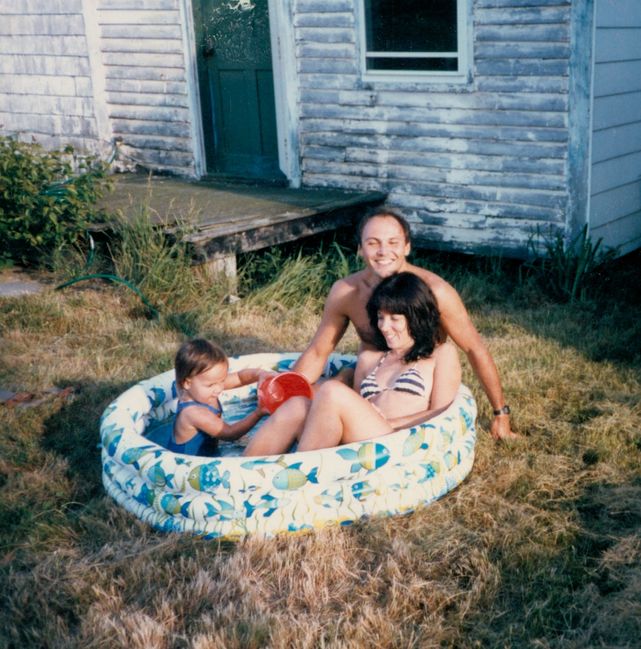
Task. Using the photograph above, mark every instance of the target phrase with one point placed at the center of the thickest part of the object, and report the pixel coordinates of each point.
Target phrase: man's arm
(458, 325)
(331, 329)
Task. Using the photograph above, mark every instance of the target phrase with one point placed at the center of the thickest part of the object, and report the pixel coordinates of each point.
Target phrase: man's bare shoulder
(346, 286)
(440, 287)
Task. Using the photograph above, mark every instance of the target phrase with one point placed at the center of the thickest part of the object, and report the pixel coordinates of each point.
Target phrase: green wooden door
(237, 89)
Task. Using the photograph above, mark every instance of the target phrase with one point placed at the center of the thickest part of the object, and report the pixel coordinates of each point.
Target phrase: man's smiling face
(384, 246)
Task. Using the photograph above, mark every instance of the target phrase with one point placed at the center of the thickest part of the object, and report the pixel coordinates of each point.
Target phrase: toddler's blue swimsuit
(200, 444)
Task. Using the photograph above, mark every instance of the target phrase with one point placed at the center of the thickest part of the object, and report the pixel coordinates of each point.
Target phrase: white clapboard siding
(142, 49)
(40, 7)
(63, 24)
(474, 166)
(86, 71)
(45, 74)
(494, 152)
(615, 190)
(133, 31)
(414, 131)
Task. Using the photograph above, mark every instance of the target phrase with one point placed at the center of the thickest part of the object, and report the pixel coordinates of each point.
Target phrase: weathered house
(482, 119)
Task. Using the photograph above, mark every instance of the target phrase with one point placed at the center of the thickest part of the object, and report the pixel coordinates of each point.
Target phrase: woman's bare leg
(281, 430)
(338, 415)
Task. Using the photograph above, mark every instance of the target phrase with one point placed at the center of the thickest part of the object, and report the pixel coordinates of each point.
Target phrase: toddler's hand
(262, 411)
(265, 374)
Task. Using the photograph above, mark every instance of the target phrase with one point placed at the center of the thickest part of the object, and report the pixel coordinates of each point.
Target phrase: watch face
(505, 410)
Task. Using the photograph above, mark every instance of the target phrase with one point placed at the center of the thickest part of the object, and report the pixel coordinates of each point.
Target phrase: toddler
(201, 376)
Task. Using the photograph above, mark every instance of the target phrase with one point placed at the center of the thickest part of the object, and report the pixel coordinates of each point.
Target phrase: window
(415, 38)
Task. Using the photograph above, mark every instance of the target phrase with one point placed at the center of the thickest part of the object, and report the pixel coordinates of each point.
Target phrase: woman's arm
(398, 423)
(447, 376)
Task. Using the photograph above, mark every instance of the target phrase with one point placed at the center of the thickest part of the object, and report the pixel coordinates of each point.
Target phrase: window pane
(425, 65)
(411, 25)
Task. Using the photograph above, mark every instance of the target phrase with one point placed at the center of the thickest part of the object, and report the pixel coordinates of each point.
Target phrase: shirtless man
(384, 245)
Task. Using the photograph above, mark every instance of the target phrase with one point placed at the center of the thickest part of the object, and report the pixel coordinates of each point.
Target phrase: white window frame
(464, 50)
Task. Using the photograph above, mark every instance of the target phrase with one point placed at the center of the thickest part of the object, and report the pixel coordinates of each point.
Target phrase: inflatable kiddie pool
(231, 496)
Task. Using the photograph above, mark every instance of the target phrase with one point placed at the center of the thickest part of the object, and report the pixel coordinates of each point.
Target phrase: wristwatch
(505, 410)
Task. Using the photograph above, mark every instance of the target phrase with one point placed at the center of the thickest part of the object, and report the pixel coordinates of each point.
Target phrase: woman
(413, 374)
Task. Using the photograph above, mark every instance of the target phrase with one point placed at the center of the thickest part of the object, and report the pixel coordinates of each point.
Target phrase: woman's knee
(294, 409)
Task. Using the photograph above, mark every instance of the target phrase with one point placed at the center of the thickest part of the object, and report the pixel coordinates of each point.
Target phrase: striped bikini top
(410, 381)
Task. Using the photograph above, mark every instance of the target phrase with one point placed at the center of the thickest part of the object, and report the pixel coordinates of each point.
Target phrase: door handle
(208, 48)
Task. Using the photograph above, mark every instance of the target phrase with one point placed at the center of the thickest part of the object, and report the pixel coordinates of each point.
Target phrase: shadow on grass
(599, 332)
(609, 543)
(73, 433)
(52, 473)
(581, 590)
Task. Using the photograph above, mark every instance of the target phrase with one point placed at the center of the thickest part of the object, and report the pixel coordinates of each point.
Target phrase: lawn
(539, 547)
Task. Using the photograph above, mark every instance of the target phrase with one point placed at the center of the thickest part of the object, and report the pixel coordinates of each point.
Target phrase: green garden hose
(109, 277)
(113, 278)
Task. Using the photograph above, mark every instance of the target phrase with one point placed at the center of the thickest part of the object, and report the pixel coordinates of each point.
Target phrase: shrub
(47, 199)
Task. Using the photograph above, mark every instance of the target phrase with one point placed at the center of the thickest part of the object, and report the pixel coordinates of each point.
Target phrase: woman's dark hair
(382, 212)
(196, 356)
(407, 294)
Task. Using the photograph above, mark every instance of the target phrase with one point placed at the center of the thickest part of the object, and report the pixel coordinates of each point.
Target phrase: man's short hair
(384, 212)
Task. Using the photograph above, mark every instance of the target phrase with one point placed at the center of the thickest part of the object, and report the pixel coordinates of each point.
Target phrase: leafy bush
(47, 199)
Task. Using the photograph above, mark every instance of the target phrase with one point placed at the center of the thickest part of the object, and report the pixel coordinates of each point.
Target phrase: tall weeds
(569, 270)
(142, 253)
(276, 282)
(156, 263)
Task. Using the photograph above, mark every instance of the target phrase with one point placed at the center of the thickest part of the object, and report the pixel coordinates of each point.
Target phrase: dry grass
(539, 547)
